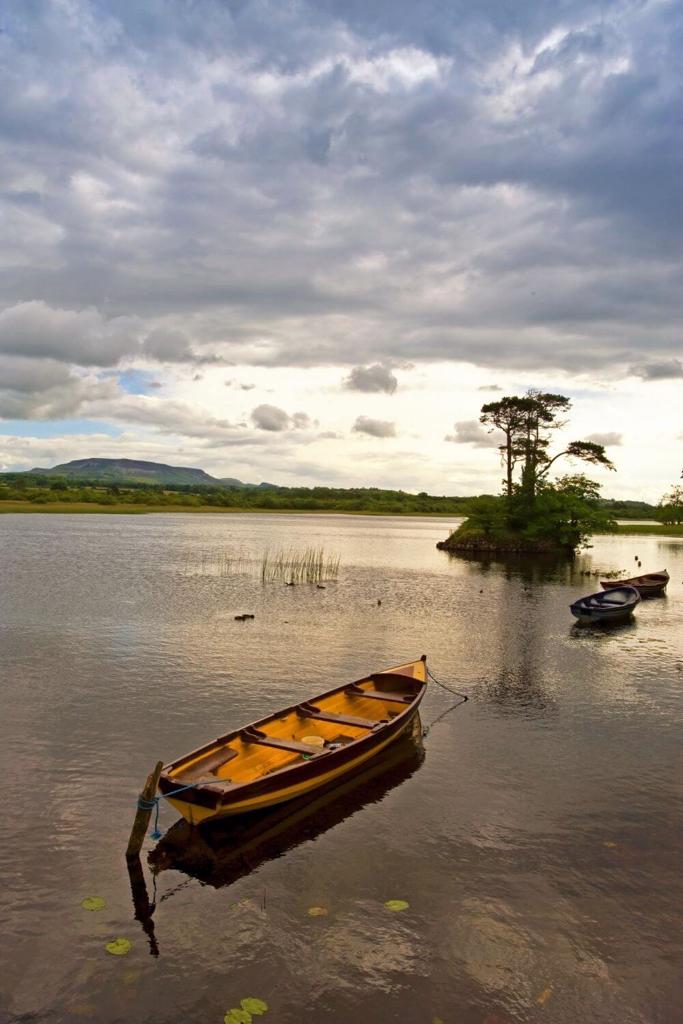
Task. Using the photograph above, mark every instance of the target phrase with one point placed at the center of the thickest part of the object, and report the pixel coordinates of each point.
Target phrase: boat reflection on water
(220, 853)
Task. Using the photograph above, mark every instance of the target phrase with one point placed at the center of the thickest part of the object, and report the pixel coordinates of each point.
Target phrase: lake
(535, 833)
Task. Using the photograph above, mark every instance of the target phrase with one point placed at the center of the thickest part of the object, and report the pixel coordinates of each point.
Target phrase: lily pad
(93, 903)
(119, 947)
(397, 905)
(254, 1006)
(237, 1016)
(318, 911)
(545, 995)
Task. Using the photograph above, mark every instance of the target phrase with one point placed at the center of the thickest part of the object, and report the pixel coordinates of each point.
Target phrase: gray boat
(615, 605)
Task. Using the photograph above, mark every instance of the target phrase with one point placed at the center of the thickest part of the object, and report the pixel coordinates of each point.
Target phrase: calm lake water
(536, 835)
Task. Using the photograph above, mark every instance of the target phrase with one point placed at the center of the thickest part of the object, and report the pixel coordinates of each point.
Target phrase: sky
(304, 242)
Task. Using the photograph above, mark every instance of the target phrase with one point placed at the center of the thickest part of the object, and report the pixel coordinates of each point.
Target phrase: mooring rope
(463, 697)
(153, 804)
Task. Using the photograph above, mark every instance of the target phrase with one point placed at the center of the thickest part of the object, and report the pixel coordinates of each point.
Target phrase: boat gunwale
(220, 787)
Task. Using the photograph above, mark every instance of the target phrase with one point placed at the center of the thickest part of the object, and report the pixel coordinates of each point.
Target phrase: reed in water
(218, 563)
(310, 565)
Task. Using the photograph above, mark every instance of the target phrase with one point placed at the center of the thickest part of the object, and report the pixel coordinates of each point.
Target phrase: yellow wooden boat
(297, 750)
(234, 847)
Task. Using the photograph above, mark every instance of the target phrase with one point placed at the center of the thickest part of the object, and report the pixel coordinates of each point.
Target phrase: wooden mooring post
(143, 814)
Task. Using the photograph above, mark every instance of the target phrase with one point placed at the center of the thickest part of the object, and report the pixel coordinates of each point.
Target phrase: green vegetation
(670, 509)
(643, 529)
(73, 491)
(311, 565)
(627, 509)
(534, 513)
(61, 494)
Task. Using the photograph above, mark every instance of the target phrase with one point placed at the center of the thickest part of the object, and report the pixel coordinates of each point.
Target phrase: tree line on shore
(43, 490)
(47, 489)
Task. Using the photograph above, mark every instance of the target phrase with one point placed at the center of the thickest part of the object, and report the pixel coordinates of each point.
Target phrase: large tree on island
(528, 422)
(534, 513)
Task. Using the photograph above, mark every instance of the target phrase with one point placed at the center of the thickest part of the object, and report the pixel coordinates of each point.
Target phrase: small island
(534, 514)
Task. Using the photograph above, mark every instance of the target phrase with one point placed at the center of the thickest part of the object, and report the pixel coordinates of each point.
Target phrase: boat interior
(612, 598)
(305, 731)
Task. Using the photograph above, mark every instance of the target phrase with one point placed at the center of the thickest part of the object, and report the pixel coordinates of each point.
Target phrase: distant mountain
(133, 471)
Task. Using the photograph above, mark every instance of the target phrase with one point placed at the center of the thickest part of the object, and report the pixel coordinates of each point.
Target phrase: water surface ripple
(536, 837)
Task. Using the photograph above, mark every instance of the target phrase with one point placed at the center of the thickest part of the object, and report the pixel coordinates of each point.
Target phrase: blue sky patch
(138, 382)
(56, 428)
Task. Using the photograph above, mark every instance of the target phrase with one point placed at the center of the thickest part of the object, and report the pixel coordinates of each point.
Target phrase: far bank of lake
(122, 508)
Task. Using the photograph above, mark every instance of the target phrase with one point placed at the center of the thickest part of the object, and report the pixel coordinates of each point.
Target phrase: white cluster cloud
(472, 432)
(371, 378)
(374, 428)
(609, 438)
(270, 417)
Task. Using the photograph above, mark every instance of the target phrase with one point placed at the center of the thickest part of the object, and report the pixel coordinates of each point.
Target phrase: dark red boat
(648, 585)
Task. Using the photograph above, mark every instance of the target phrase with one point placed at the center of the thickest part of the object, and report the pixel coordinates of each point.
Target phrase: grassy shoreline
(123, 508)
(642, 530)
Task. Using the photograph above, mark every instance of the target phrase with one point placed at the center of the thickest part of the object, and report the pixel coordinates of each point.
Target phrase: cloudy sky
(303, 242)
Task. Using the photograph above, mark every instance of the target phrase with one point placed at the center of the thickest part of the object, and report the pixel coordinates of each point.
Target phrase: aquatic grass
(309, 565)
(218, 563)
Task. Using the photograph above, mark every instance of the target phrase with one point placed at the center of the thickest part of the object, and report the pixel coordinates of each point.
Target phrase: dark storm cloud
(168, 346)
(662, 369)
(35, 330)
(341, 182)
(371, 378)
(374, 428)
(46, 389)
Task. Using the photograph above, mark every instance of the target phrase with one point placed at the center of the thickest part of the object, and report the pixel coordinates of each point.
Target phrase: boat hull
(650, 585)
(204, 802)
(271, 797)
(606, 608)
(590, 618)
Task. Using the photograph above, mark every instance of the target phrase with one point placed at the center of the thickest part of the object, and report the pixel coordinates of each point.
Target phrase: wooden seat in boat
(256, 736)
(394, 698)
(207, 766)
(310, 711)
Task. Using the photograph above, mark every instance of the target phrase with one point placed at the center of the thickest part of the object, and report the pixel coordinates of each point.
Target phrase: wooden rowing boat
(297, 750)
(234, 847)
(648, 585)
(614, 606)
